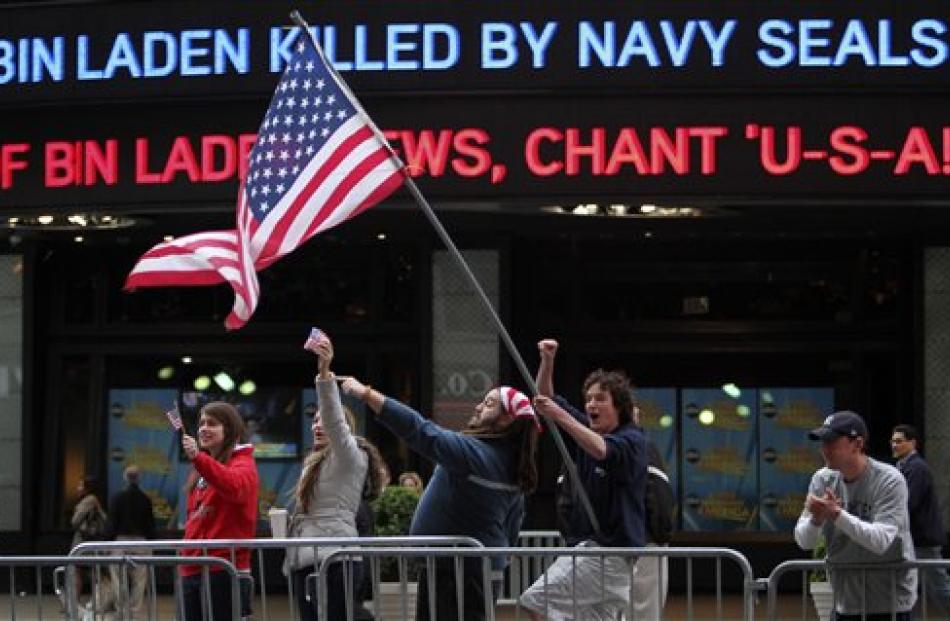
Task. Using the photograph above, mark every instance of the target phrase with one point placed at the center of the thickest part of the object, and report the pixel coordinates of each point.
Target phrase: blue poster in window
(270, 416)
(657, 418)
(140, 434)
(720, 479)
(788, 458)
(278, 480)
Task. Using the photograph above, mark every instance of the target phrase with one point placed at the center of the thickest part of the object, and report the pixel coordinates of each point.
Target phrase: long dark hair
(522, 432)
(233, 425)
(311, 468)
(527, 465)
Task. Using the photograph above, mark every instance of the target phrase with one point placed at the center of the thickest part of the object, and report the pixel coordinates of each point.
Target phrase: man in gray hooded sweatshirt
(860, 506)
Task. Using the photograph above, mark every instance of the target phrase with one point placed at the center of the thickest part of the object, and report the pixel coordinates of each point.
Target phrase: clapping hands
(823, 508)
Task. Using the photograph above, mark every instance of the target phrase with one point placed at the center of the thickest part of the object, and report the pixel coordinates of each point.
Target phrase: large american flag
(316, 163)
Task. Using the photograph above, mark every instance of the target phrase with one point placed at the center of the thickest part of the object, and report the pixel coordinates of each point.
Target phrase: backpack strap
(657, 472)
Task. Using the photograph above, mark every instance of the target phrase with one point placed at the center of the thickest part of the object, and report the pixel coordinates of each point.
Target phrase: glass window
(11, 390)
(76, 441)
(334, 280)
(720, 446)
(273, 393)
(709, 282)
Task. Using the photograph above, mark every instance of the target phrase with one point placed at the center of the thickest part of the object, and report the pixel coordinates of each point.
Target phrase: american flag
(313, 339)
(317, 162)
(174, 419)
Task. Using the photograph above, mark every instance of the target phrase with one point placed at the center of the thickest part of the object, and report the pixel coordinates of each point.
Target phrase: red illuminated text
(850, 151)
(12, 159)
(549, 151)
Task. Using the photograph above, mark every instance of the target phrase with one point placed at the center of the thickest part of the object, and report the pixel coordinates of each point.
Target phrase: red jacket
(224, 506)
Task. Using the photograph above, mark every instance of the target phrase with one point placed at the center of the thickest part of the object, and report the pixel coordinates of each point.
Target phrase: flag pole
(463, 265)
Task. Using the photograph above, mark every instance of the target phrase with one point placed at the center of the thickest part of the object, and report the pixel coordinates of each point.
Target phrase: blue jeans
(938, 587)
(336, 587)
(219, 584)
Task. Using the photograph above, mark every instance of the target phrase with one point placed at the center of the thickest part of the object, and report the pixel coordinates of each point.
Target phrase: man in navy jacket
(611, 456)
(926, 527)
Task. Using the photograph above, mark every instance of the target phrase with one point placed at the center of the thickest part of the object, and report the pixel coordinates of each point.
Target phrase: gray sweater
(873, 527)
(335, 498)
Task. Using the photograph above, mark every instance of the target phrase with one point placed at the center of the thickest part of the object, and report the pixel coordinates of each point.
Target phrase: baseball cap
(846, 423)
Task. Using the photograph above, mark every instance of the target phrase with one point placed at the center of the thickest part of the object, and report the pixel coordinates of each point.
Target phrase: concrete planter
(823, 598)
(391, 601)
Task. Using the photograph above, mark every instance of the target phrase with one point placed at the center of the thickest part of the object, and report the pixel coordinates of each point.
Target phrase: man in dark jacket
(611, 456)
(926, 527)
(131, 519)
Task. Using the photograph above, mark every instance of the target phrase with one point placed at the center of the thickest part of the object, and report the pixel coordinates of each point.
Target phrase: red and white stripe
(352, 172)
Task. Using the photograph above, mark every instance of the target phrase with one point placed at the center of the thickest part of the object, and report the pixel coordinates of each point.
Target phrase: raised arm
(454, 451)
(234, 480)
(587, 440)
(365, 393)
(331, 410)
(545, 378)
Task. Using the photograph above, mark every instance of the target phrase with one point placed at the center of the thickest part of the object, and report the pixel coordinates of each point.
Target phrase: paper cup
(278, 522)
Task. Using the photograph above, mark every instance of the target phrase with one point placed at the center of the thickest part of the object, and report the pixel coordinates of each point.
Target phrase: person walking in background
(477, 488)
(222, 504)
(923, 505)
(860, 506)
(611, 457)
(411, 479)
(342, 470)
(89, 523)
(131, 519)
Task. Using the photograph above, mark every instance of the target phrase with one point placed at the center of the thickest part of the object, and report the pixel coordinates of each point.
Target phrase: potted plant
(819, 585)
(394, 510)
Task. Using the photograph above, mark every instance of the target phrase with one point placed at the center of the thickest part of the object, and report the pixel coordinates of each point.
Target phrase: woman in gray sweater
(341, 470)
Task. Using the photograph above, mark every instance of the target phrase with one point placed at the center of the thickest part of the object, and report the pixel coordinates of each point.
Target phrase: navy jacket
(616, 486)
(926, 527)
(131, 514)
(473, 490)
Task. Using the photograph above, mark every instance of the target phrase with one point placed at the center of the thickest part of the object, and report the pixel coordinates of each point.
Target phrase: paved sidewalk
(704, 608)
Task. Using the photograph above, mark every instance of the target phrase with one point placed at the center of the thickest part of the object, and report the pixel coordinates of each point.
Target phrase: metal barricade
(806, 567)
(522, 572)
(61, 563)
(260, 546)
(484, 555)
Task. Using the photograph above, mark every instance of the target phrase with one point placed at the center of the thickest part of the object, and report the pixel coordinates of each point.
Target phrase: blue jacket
(616, 486)
(926, 527)
(473, 491)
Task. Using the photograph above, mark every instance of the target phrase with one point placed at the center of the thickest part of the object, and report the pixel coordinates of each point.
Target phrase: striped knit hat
(516, 403)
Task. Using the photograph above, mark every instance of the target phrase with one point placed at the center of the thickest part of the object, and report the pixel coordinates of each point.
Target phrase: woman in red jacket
(222, 504)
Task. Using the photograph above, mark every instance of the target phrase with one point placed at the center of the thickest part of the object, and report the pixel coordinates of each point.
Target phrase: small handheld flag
(174, 419)
(314, 339)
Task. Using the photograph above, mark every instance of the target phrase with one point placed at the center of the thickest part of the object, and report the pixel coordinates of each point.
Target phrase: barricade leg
(448, 583)
(935, 585)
